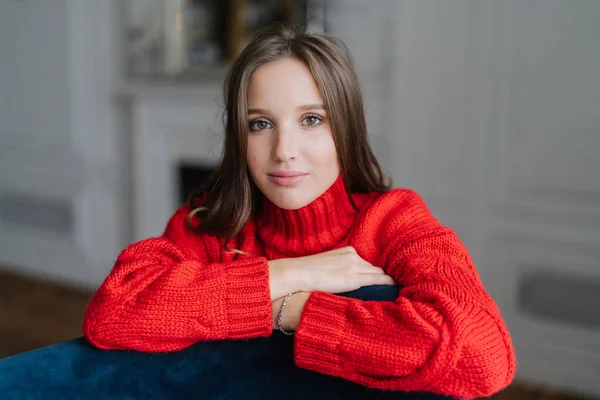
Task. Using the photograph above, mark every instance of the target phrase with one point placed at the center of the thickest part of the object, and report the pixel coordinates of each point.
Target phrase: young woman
(299, 211)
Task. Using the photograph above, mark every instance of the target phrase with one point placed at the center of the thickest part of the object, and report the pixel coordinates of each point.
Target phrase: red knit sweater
(443, 334)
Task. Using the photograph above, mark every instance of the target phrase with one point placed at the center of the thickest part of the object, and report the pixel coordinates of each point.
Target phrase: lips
(287, 174)
(287, 178)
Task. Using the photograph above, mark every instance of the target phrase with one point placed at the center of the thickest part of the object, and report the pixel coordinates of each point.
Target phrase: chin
(290, 200)
(290, 204)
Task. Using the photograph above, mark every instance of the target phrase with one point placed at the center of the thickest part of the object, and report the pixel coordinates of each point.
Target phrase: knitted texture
(443, 334)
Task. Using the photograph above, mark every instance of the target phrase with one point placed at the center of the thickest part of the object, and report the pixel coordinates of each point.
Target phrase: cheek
(252, 162)
(332, 153)
(324, 153)
(253, 157)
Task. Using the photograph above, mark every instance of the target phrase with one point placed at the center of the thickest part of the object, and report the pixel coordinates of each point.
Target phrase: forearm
(406, 344)
(157, 294)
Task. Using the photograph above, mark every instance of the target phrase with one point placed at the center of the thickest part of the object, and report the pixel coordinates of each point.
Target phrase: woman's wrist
(283, 278)
(292, 313)
(280, 315)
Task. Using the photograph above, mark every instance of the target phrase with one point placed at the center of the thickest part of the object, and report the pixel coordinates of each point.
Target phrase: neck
(314, 228)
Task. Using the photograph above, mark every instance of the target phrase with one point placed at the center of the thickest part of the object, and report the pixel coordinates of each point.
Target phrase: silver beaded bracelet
(281, 314)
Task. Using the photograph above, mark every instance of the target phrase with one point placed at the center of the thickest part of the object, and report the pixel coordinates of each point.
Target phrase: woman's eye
(259, 125)
(311, 120)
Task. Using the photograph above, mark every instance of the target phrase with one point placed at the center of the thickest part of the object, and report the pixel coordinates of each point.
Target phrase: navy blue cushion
(244, 369)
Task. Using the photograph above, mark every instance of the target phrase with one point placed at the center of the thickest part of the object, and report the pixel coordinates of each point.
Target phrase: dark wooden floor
(34, 314)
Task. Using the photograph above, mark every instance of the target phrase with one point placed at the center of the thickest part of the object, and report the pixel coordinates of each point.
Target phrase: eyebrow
(306, 107)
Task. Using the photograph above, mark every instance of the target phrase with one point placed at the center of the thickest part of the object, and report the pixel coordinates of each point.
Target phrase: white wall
(59, 168)
(495, 119)
(34, 77)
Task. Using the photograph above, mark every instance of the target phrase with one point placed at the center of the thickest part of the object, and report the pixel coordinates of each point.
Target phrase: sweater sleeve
(443, 334)
(165, 294)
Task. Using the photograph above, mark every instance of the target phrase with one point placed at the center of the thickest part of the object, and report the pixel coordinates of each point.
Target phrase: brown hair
(230, 196)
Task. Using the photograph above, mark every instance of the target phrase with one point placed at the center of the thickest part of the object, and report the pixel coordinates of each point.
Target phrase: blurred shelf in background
(190, 40)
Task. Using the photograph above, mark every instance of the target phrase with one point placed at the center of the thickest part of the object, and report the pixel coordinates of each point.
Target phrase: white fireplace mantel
(170, 126)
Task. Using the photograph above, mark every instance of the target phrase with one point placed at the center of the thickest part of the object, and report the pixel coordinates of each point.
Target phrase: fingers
(376, 279)
(388, 280)
(361, 265)
(365, 267)
(366, 273)
(342, 250)
(370, 269)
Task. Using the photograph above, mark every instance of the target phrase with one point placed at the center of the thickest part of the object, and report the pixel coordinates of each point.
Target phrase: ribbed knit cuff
(319, 334)
(249, 299)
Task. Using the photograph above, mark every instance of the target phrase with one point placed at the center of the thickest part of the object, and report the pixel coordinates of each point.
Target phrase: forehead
(283, 83)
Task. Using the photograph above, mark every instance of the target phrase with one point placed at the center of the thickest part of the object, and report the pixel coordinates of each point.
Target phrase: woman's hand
(292, 311)
(335, 271)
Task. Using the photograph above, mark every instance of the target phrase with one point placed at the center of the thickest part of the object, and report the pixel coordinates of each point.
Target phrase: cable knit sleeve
(165, 294)
(443, 334)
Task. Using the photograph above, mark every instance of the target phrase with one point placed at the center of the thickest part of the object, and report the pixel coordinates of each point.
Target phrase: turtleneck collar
(314, 228)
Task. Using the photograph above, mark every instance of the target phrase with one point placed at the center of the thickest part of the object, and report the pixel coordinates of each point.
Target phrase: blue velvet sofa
(251, 369)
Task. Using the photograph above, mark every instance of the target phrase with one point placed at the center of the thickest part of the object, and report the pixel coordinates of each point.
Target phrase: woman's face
(291, 153)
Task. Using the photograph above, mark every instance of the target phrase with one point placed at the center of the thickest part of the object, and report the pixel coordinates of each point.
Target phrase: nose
(284, 147)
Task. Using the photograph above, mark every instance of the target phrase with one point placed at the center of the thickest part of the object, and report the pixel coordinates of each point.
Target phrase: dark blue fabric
(249, 369)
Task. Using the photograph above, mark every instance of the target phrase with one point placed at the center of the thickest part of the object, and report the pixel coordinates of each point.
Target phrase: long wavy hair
(229, 197)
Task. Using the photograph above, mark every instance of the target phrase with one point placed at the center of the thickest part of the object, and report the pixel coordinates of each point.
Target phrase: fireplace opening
(191, 178)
